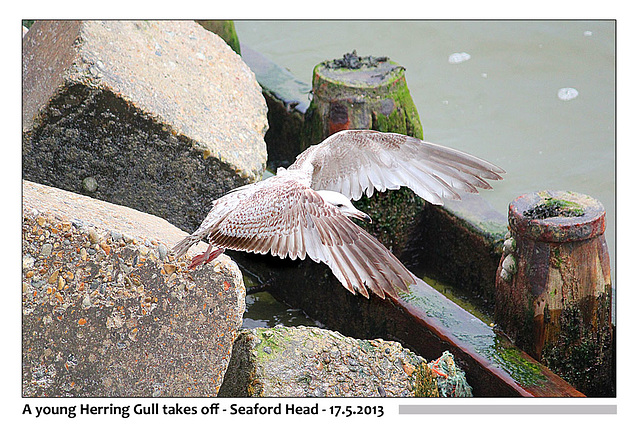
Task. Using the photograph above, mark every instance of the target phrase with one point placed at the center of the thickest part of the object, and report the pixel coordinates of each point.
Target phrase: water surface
(535, 97)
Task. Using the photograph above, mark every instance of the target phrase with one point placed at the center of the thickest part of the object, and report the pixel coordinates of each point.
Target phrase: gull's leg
(215, 254)
(206, 257)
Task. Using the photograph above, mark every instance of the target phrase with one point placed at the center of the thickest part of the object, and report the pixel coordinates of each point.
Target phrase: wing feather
(288, 219)
(357, 162)
(285, 216)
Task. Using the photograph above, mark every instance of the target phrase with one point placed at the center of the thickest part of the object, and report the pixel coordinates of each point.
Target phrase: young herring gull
(304, 210)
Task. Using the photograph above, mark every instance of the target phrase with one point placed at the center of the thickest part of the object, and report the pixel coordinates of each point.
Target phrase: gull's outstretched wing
(287, 218)
(354, 162)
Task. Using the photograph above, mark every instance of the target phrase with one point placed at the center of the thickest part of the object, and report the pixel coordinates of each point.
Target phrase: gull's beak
(362, 216)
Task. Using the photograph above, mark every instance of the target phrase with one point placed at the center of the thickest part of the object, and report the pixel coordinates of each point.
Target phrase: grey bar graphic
(508, 409)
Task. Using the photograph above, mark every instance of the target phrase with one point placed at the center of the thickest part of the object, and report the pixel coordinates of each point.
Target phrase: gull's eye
(339, 205)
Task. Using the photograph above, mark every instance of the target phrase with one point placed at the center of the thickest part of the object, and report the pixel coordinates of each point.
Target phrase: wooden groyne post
(356, 92)
(553, 287)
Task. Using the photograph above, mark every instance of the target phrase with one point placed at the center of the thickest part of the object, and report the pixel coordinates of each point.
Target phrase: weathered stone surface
(163, 115)
(106, 311)
(312, 362)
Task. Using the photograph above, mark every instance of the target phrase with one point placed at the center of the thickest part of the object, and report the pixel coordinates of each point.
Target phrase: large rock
(160, 116)
(311, 362)
(107, 313)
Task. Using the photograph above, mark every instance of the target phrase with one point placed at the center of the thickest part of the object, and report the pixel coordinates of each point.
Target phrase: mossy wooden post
(553, 287)
(367, 93)
(360, 93)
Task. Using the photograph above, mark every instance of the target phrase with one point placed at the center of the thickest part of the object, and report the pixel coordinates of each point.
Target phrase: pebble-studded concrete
(108, 312)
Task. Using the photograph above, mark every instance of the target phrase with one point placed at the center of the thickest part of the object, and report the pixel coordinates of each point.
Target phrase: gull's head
(343, 204)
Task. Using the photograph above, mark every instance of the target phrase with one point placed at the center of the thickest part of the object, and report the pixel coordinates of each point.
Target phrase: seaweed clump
(353, 62)
(551, 208)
